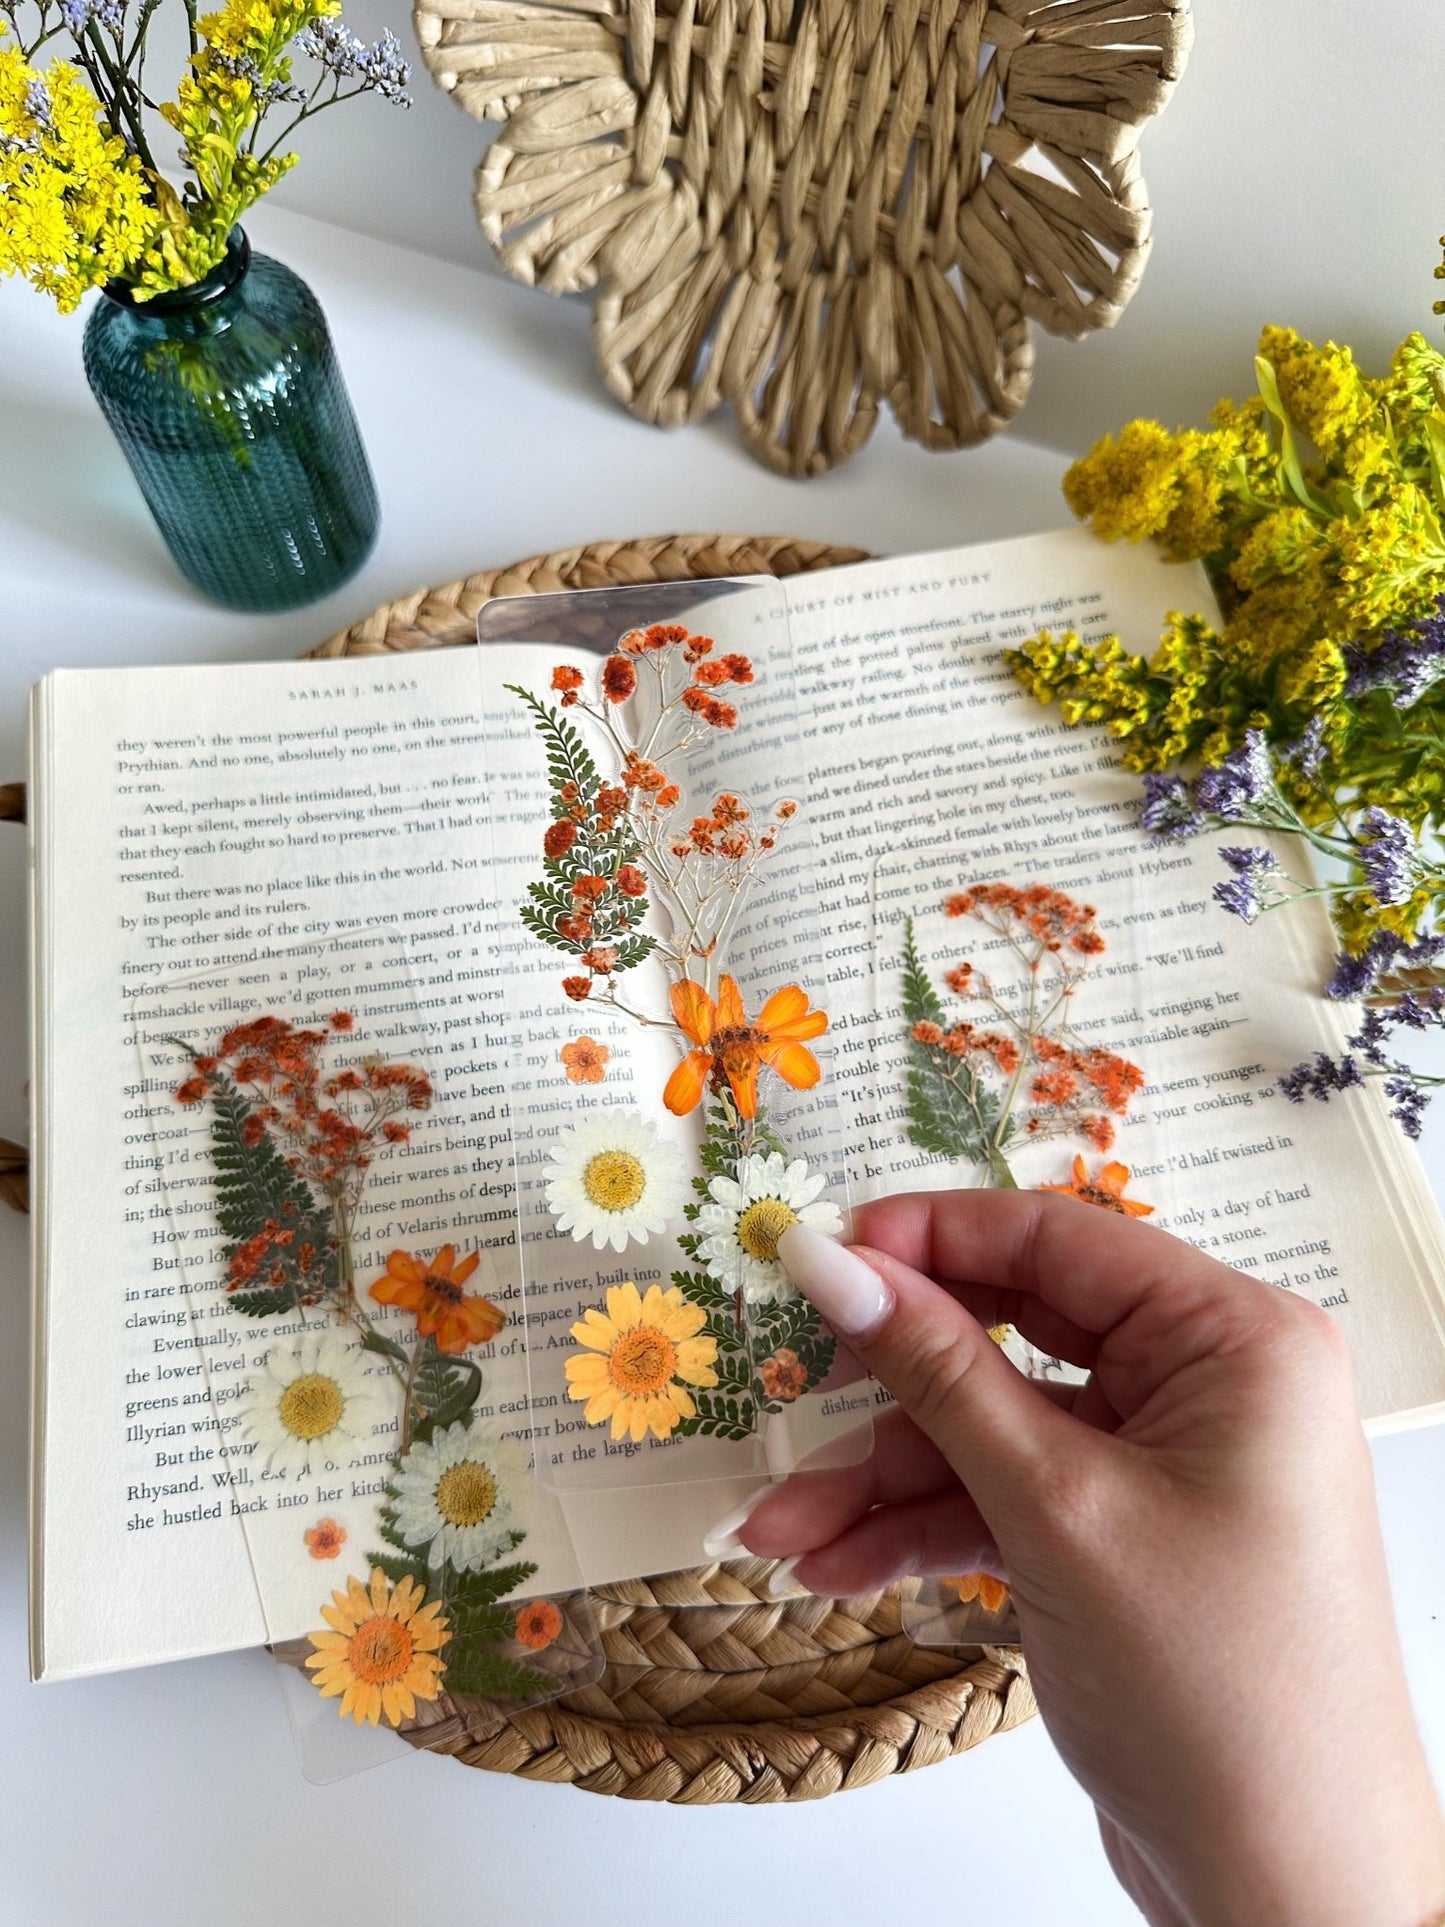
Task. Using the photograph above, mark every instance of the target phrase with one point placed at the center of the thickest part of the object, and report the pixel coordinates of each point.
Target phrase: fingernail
(723, 1541)
(780, 1583)
(850, 1294)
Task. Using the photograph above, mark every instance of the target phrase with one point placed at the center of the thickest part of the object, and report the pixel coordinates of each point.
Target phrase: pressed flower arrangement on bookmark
(672, 1106)
(1002, 1004)
(395, 1530)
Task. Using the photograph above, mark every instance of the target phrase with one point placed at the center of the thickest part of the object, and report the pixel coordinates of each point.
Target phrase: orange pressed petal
(402, 1265)
(684, 1089)
(745, 1088)
(785, 1006)
(795, 1064)
(391, 1290)
(730, 1012)
(693, 1011)
(444, 1260)
(1132, 1208)
(1113, 1178)
(465, 1269)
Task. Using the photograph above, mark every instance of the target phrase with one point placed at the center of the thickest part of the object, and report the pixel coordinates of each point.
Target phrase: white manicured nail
(722, 1542)
(850, 1294)
(780, 1581)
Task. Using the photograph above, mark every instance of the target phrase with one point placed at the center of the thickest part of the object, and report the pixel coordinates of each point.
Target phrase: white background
(1296, 178)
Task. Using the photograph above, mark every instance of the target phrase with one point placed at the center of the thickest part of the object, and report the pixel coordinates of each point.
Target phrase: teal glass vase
(228, 402)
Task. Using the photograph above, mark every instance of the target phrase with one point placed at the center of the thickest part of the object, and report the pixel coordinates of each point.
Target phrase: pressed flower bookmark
(407, 1563)
(672, 1105)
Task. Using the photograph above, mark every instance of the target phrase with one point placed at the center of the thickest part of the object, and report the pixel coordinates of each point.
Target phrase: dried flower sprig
(974, 1090)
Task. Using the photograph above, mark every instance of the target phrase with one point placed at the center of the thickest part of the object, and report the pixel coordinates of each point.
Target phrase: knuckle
(935, 1383)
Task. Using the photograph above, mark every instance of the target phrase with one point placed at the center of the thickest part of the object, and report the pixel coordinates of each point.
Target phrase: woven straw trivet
(712, 1692)
(807, 208)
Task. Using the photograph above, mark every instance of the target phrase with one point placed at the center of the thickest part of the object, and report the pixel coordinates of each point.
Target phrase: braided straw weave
(809, 207)
(712, 1692)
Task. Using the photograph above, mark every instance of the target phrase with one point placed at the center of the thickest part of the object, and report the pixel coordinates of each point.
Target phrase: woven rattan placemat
(712, 1692)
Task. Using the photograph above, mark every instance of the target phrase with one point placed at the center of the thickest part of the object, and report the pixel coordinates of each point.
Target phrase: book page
(189, 823)
(930, 769)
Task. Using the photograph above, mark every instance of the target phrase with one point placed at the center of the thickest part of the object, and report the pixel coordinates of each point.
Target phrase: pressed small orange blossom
(433, 1291)
(1105, 1189)
(728, 1049)
(538, 1623)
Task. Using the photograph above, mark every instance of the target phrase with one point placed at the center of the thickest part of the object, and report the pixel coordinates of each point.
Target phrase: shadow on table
(63, 478)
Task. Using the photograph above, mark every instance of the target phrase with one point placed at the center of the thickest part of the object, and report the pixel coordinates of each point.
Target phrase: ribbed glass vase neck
(201, 297)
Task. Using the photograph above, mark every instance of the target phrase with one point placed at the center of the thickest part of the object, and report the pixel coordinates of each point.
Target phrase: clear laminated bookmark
(1018, 1012)
(673, 1099)
(350, 1383)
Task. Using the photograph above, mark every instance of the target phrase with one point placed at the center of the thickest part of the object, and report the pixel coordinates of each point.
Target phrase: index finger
(1088, 1265)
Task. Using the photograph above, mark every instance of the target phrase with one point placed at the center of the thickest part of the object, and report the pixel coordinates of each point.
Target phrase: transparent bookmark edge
(324, 1557)
(775, 940)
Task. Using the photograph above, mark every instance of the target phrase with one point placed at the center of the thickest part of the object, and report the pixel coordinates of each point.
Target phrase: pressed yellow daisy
(381, 1654)
(641, 1355)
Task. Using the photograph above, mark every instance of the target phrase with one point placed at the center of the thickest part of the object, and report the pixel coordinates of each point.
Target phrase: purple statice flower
(76, 15)
(1320, 1079)
(1309, 752)
(1420, 1009)
(1243, 893)
(1356, 977)
(1407, 662)
(1372, 1037)
(1407, 1103)
(37, 104)
(379, 68)
(1237, 784)
(1168, 809)
(1386, 853)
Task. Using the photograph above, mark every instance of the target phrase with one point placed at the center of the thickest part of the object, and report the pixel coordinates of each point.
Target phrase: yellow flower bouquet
(1315, 710)
(214, 369)
(83, 201)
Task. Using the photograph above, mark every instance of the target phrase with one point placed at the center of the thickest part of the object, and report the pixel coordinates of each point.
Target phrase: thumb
(992, 1425)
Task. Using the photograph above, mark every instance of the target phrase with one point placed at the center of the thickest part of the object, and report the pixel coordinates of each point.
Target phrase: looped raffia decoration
(809, 207)
(713, 1692)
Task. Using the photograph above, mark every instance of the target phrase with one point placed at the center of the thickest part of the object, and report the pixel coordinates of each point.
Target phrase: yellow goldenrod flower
(74, 205)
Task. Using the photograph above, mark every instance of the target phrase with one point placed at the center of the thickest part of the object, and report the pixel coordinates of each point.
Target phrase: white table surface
(172, 1796)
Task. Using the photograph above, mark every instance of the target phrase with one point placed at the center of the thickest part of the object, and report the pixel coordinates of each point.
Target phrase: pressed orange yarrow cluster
(974, 1089)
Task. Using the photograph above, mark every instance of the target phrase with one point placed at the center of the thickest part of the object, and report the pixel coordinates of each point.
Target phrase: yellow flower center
(642, 1361)
(614, 1180)
(466, 1494)
(761, 1226)
(311, 1406)
(380, 1650)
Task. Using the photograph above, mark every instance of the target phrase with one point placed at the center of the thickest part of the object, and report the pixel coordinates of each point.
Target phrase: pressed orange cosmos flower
(1106, 1189)
(730, 1050)
(434, 1293)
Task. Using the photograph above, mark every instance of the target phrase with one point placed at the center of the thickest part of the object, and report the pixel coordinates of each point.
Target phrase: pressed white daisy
(613, 1179)
(744, 1217)
(459, 1491)
(310, 1402)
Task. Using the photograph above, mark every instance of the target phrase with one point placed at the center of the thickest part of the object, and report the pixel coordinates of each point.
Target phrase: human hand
(1190, 1538)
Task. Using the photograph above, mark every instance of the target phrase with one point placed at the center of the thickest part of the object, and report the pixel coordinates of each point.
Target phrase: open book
(187, 822)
